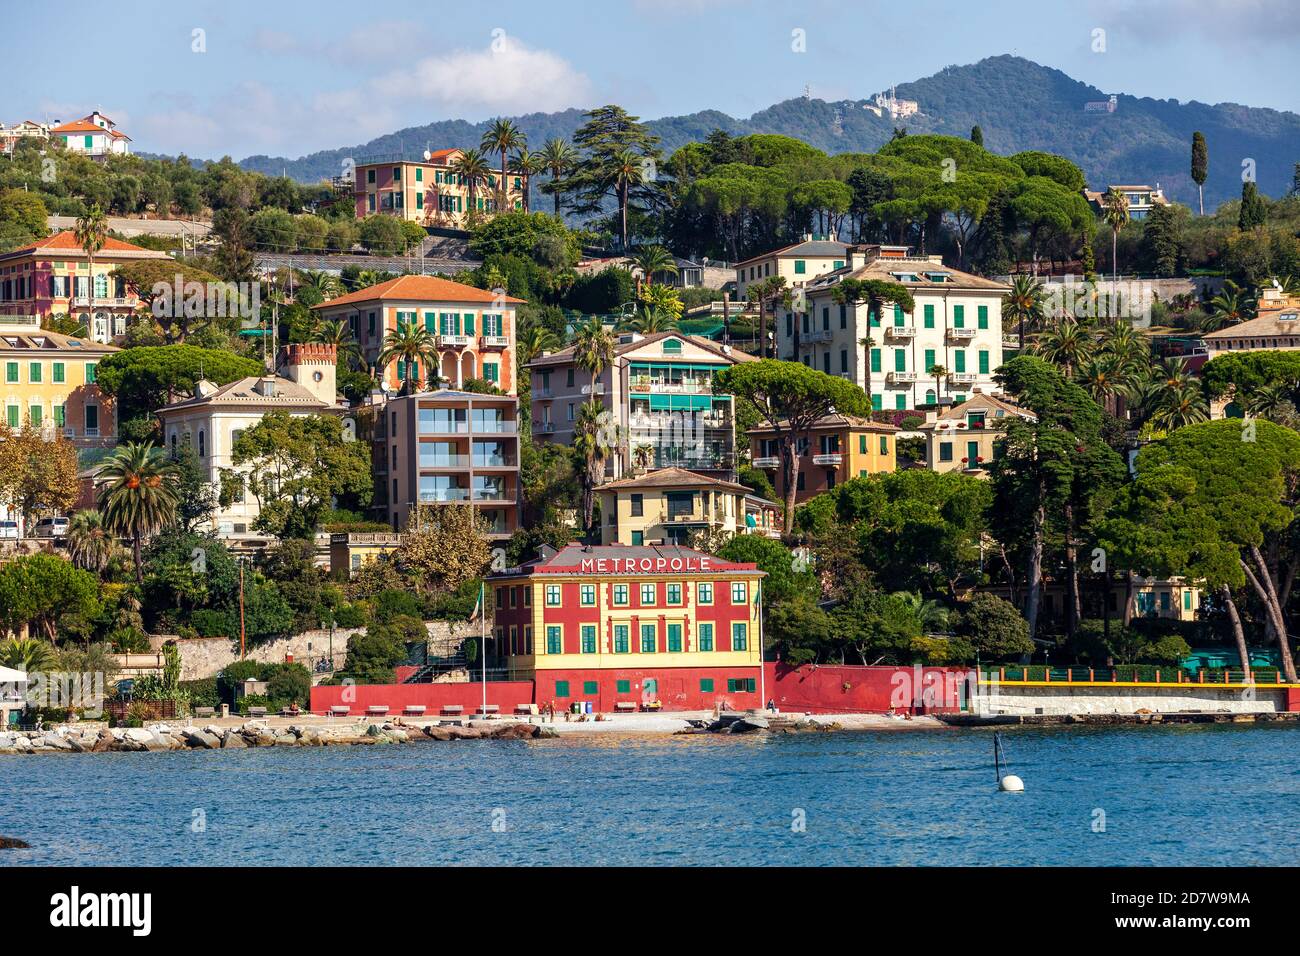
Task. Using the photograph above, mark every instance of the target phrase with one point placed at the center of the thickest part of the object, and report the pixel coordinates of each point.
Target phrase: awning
(680, 403)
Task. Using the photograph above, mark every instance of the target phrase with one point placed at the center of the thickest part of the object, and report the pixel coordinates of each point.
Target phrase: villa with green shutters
(956, 326)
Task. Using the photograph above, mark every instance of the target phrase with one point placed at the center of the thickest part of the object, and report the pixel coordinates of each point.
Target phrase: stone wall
(208, 656)
(1119, 699)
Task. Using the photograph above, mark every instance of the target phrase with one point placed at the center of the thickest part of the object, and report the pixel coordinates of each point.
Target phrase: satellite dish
(427, 155)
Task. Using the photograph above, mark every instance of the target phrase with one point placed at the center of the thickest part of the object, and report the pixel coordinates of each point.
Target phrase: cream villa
(799, 263)
(668, 505)
(964, 437)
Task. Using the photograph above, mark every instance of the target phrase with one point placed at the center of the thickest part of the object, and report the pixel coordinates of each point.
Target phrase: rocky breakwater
(756, 723)
(165, 737)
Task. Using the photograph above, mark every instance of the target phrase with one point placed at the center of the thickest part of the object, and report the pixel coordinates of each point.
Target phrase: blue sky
(287, 78)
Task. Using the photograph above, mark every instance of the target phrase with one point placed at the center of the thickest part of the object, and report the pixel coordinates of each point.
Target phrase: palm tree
(653, 320)
(472, 168)
(1024, 306)
(1115, 212)
(1182, 405)
(138, 497)
(653, 260)
(595, 440)
(558, 159)
(501, 137)
(370, 277)
(868, 343)
(1234, 304)
(527, 165)
(408, 345)
(27, 654)
(91, 234)
(939, 373)
(624, 167)
(1269, 399)
(593, 349)
(1106, 379)
(338, 333)
(326, 283)
(90, 546)
(771, 292)
(533, 341)
(1067, 346)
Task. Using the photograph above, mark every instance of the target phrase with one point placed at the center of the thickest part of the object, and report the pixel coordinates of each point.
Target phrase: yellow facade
(431, 193)
(50, 383)
(667, 505)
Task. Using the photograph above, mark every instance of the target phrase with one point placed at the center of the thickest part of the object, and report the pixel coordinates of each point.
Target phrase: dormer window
(1287, 317)
(938, 276)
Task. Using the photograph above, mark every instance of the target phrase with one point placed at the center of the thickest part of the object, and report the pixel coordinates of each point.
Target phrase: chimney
(862, 253)
(313, 366)
(266, 386)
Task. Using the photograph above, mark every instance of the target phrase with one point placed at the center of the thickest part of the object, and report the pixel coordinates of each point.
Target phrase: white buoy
(1011, 784)
(1007, 783)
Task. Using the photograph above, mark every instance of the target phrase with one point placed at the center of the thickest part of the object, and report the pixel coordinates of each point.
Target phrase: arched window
(929, 396)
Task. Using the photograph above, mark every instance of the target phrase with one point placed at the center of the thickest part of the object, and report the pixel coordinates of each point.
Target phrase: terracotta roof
(660, 558)
(1269, 322)
(79, 126)
(418, 288)
(983, 402)
(812, 247)
(243, 393)
(672, 478)
(13, 338)
(66, 241)
(565, 355)
(835, 420)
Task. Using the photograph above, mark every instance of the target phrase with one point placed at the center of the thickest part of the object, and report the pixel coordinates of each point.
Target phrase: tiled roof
(66, 241)
(813, 248)
(672, 478)
(243, 393)
(1267, 323)
(835, 420)
(987, 403)
(79, 126)
(885, 267)
(565, 355)
(14, 339)
(418, 288)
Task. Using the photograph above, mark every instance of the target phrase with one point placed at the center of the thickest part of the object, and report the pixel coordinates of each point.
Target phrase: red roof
(67, 241)
(420, 289)
(79, 126)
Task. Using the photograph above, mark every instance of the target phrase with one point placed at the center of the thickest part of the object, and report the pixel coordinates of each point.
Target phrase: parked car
(8, 529)
(51, 528)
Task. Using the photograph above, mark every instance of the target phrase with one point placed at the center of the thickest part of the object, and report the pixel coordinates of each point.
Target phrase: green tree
(1254, 210)
(1022, 309)
(471, 167)
(39, 591)
(790, 397)
(1200, 166)
(382, 235)
(559, 159)
(137, 494)
(995, 628)
(144, 379)
(410, 346)
(1114, 205)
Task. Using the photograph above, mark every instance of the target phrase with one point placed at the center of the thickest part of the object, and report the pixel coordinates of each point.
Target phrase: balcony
(831, 458)
(504, 495)
(961, 335)
(765, 461)
(1011, 343)
(494, 341)
(488, 427)
(495, 461)
(544, 428)
(670, 421)
(682, 387)
(903, 378)
(900, 331)
(104, 301)
(455, 341)
(818, 335)
(962, 378)
(444, 461)
(444, 496)
(597, 389)
(541, 393)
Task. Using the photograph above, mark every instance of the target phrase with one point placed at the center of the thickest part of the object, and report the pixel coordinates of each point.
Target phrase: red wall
(831, 688)
(505, 694)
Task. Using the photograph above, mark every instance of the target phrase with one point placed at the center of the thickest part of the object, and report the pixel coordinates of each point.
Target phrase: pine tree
(1253, 211)
(1200, 166)
(977, 136)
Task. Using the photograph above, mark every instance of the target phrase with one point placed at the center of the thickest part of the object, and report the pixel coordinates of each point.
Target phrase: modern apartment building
(1141, 199)
(798, 262)
(475, 328)
(52, 276)
(668, 505)
(659, 393)
(212, 419)
(448, 447)
(965, 437)
(95, 136)
(431, 192)
(631, 628)
(49, 382)
(838, 447)
(956, 325)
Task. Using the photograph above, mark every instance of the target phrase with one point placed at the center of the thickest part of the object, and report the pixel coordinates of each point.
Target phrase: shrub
(210, 623)
(203, 692)
(349, 615)
(392, 603)
(287, 684)
(129, 640)
(253, 700)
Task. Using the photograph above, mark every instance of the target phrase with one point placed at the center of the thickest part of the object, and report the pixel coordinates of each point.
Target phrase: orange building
(837, 447)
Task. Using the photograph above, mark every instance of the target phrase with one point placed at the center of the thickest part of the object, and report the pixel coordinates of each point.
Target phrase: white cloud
(1240, 22)
(505, 77)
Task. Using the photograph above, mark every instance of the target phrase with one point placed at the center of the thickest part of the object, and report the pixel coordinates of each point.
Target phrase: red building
(627, 627)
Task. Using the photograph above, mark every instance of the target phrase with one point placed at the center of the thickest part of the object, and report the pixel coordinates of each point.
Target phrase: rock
(437, 733)
(201, 740)
(103, 743)
(465, 733)
(748, 723)
(23, 744)
(233, 741)
(138, 735)
(13, 843)
(55, 742)
(516, 732)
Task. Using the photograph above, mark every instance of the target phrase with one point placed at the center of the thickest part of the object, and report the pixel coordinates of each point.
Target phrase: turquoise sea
(1208, 795)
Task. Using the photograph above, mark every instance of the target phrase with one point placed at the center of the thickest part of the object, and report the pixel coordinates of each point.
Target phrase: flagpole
(762, 667)
(482, 643)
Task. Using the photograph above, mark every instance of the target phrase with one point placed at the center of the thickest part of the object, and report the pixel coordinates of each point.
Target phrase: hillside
(1019, 105)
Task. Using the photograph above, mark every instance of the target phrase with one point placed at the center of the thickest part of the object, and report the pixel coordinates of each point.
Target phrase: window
(623, 687)
(945, 451)
(739, 592)
(638, 538)
(844, 360)
(648, 638)
(900, 360)
(620, 639)
(706, 636)
(900, 401)
(704, 593)
(884, 444)
(13, 415)
(588, 595)
(875, 360)
(11, 371)
(59, 372)
(561, 688)
(554, 639)
(800, 267)
(740, 685)
(620, 595)
(33, 371)
(674, 594)
(929, 316)
(90, 372)
(958, 316)
(959, 360)
(706, 685)
(638, 506)
(984, 361)
(675, 637)
(982, 316)
(739, 636)
(877, 403)
(589, 642)
(552, 595)
(647, 595)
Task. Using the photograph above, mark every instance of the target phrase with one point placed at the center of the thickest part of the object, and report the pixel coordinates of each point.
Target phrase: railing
(962, 378)
(903, 376)
(819, 335)
(444, 461)
(444, 495)
(900, 331)
(492, 494)
(483, 427)
(961, 333)
(494, 461)
(540, 392)
(455, 341)
(1128, 674)
(443, 428)
(597, 389)
(830, 458)
(765, 461)
(107, 301)
(683, 387)
(494, 341)
(670, 420)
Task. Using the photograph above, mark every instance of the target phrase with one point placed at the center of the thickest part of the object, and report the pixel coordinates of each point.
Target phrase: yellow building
(964, 437)
(837, 447)
(351, 551)
(431, 192)
(799, 263)
(49, 382)
(666, 506)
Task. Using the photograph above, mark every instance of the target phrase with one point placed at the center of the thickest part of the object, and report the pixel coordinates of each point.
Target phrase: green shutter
(929, 360)
(706, 685)
(959, 360)
(958, 316)
(898, 314)
(623, 687)
(900, 360)
(984, 361)
(982, 313)
(929, 316)
(561, 688)
(58, 372)
(469, 323)
(875, 360)
(590, 688)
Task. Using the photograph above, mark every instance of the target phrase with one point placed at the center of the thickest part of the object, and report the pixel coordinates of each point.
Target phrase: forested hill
(1018, 104)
